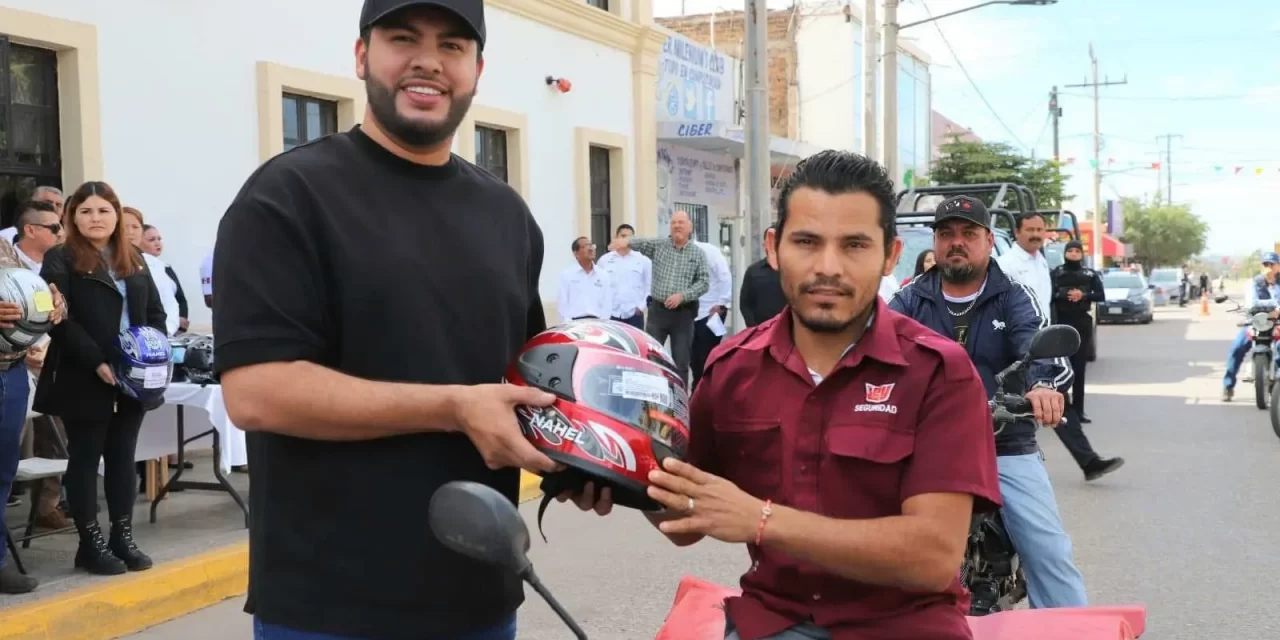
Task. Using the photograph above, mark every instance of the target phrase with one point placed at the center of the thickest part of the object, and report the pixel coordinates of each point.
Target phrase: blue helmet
(143, 364)
(1270, 257)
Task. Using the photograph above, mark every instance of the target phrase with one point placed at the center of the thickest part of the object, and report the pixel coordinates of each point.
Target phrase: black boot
(93, 554)
(123, 546)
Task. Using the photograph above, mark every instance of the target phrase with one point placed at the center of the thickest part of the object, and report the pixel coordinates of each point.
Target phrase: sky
(1193, 70)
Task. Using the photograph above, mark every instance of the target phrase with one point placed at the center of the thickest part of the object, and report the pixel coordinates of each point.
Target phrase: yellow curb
(121, 606)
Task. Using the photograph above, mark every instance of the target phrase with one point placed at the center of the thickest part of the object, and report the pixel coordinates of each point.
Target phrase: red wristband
(765, 512)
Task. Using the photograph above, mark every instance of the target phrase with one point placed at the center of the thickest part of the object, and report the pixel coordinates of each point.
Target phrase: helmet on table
(143, 364)
(28, 290)
(621, 408)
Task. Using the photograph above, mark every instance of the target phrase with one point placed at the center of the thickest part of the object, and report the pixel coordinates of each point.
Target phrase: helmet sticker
(635, 385)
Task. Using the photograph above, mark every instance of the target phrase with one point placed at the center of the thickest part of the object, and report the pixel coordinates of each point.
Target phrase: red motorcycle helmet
(620, 410)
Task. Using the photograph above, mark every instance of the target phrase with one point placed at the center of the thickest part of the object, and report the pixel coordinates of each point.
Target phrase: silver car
(1168, 284)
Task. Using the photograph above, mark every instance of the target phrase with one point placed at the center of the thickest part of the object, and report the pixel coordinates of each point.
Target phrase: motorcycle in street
(991, 569)
(1264, 333)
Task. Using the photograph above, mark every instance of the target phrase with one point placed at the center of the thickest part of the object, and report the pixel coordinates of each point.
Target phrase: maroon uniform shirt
(903, 413)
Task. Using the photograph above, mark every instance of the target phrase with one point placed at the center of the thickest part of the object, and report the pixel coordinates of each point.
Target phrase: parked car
(1168, 285)
(1129, 298)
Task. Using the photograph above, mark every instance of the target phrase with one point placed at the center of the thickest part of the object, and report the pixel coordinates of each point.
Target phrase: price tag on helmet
(43, 301)
(645, 386)
(155, 377)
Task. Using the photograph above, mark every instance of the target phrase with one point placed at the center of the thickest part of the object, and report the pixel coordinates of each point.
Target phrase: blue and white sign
(695, 82)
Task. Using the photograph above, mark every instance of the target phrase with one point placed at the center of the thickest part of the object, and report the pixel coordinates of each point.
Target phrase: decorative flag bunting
(1269, 169)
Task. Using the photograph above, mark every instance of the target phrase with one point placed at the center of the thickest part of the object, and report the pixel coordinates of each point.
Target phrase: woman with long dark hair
(107, 289)
(924, 262)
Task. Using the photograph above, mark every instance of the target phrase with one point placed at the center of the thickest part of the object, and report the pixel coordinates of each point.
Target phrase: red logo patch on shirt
(878, 393)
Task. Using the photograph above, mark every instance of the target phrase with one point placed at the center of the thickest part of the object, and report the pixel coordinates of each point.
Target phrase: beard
(959, 274)
(828, 322)
(382, 101)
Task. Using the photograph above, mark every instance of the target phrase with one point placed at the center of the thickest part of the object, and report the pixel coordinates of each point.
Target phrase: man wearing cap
(968, 298)
(366, 380)
(1265, 287)
(1075, 288)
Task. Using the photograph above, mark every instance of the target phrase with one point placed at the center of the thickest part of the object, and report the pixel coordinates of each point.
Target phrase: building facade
(176, 109)
(830, 91)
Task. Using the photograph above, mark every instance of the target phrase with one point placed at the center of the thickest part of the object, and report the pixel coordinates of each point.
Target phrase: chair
(31, 471)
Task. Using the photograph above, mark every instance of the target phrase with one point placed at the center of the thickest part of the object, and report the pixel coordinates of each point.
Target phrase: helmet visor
(637, 393)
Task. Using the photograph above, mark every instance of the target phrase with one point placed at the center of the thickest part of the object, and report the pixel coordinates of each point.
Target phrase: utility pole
(889, 73)
(1097, 153)
(1055, 112)
(758, 213)
(1168, 163)
(870, 77)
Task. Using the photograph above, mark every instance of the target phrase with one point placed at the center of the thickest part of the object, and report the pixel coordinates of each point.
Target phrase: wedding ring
(690, 508)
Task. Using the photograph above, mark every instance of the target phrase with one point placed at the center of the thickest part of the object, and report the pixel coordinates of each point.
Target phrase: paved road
(1190, 526)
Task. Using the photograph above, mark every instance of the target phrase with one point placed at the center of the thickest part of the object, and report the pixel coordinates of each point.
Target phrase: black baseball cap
(470, 12)
(962, 208)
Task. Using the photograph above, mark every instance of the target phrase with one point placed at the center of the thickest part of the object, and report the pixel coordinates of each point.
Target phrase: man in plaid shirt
(679, 279)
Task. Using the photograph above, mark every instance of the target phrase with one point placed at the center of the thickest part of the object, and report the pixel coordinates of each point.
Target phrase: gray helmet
(28, 290)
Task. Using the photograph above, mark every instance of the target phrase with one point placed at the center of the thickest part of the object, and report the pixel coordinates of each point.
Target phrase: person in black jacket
(1075, 289)
(107, 290)
(761, 295)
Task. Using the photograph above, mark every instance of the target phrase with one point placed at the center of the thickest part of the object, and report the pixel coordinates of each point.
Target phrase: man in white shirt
(708, 325)
(1025, 262)
(52, 195)
(632, 276)
(585, 291)
(39, 227)
(888, 287)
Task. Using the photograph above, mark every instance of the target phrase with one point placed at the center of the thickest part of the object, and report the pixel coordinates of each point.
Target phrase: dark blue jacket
(1004, 319)
(1261, 289)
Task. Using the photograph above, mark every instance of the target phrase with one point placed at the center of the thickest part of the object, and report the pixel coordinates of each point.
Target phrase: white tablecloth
(204, 410)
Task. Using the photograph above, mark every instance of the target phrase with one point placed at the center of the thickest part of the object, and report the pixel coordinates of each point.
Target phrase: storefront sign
(692, 176)
(696, 130)
(694, 82)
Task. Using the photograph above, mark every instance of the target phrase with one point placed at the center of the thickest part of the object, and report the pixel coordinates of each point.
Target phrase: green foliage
(985, 162)
(1162, 235)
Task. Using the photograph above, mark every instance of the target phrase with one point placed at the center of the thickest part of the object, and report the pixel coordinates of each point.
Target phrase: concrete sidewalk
(198, 542)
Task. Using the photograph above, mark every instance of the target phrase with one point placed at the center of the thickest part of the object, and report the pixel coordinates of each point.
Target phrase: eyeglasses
(54, 228)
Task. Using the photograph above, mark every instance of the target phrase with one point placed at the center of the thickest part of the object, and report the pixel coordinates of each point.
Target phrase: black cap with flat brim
(965, 208)
(470, 12)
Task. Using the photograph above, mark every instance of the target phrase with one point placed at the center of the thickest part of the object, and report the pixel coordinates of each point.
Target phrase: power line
(968, 77)
(1167, 98)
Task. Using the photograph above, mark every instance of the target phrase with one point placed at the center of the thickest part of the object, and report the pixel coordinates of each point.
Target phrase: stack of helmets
(28, 290)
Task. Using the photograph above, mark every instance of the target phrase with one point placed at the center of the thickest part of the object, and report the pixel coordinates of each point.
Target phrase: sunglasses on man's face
(54, 228)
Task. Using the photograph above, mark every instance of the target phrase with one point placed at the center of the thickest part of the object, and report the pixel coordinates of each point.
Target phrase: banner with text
(691, 176)
(695, 82)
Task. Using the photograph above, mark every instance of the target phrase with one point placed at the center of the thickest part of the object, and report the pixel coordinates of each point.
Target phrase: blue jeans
(264, 631)
(1239, 351)
(14, 391)
(1031, 516)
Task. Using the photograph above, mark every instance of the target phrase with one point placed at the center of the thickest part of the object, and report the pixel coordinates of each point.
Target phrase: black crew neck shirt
(340, 253)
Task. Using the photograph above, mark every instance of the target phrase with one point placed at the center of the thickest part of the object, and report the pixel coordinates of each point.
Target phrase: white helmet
(28, 290)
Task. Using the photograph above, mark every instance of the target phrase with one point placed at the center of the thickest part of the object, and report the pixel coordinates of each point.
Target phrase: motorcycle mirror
(1055, 341)
(1220, 299)
(478, 522)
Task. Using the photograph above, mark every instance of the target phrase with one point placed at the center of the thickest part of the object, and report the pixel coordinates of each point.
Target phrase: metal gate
(700, 216)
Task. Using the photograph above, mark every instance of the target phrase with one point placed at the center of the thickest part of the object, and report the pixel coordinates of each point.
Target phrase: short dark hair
(27, 214)
(839, 172)
(147, 227)
(1027, 216)
(624, 226)
(367, 33)
(577, 243)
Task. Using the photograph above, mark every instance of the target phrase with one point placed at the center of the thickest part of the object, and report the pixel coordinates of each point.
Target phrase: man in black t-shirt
(368, 379)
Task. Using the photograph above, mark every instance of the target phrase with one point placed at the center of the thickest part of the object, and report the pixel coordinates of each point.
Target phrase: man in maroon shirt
(845, 444)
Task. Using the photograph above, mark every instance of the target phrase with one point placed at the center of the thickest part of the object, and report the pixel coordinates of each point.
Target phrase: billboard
(695, 82)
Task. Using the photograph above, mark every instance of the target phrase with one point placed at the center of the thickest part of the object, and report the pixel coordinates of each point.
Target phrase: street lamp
(890, 69)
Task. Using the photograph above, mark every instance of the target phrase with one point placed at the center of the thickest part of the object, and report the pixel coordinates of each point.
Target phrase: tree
(964, 162)
(1162, 235)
